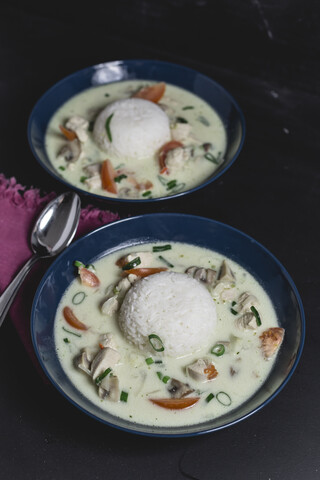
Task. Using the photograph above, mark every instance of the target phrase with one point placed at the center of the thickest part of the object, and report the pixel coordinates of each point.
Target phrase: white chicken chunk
(79, 125)
(93, 183)
(177, 158)
(180, 131)
(106, 358)
(202, 370)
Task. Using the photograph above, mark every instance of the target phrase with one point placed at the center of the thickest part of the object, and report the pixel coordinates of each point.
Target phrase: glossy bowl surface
(181, 228)
(117, 71)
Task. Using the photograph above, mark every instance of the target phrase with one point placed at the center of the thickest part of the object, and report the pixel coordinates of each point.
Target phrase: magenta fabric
(19, 209)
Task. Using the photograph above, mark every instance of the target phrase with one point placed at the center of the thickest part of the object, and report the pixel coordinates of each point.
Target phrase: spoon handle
(11, 291)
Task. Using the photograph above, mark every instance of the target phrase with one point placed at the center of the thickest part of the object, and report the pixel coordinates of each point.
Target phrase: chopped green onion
(101, 377)
(123, 396)
(134, 263)
(166, 379)
(209, 397)
(156, 342)
(166, 261)
(204, 121)
(161, 248)
(162, 180)
(158, 361)
(83, 179)
(107, 94)
(181, 120)
(188, 107)
(119, 178)
(66, 340)
(78, 298)
(171, 184)
(79, 264)
(159, 375)
(256, 314)
(147, 193)
(149, 361)
(224, 399)
(108, 127)
(233, 303)
(72, 333)
(218, 349)
(62, 168)
(178, 188)
(234, 312)
(211, 158)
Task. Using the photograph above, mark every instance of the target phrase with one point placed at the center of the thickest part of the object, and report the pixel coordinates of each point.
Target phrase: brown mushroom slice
(245, 301)
(92, 169)
(71, 151)
(271, 340)
(179, 389)
(205, 275)
(226, 275)
(109, 388)
(83, 361)
(246, 321)
(106, 358)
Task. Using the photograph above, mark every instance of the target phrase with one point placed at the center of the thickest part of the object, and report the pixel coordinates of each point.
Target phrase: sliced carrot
(163, 152)
(69, 134)
(211, 372)
(88, 278)
(175, 403)
(72, 319)
(154, 93)
(145, 272)
(107, 177)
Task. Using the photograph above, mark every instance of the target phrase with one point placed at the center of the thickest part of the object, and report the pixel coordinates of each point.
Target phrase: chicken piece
(177, 158)
(246, 321)
(109, 388)
(145, 259)
(93, 183)
(105, 358)
(179, 389)
(107, 340)
(202, 370)
(206, 275)
(83, 361)
(245, 301)
(79, 126)
(180, 131)
(271, 340)
(226, 275)
(71, 151)
(110, 306)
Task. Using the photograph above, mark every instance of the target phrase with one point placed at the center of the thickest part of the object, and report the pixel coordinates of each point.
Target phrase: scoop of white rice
(174, 306)
(138, 128)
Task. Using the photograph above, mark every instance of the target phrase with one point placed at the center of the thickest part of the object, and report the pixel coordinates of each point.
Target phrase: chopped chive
(166, 379)
(147, 193)
(233, 303)
(134, 263)
(218, 349)
(161, 248)
(107, 94)
(171, 184)
(188, 107)
(124, 396)
(72, 333)
(204, 121)
(78, 298)
(66, 340)
(211, 158)
(78, 264)
(209, 397)
(156, 342)
(181, 120)
(62, 168)
(159, 375)
(165, 261)
(162, 180)
(234, 312)
(99, 379)
(178, 188)
(149, 361)
(119, 178)
(224, 399)
(158, 361)
(108, 127)
(256, 314)
(83, 179)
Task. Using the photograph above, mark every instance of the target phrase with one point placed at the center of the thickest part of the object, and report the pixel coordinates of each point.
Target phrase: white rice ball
(138, 128)
(174, 306)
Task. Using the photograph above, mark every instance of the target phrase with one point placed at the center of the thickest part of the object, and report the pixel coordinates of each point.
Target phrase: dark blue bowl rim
(164, 215)
(131, 63)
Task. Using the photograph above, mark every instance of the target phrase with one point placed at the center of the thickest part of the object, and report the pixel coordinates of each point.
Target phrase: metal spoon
(53, 231)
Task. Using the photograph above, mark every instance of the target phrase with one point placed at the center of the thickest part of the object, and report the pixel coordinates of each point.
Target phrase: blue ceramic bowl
(182, 228)
(116, 71)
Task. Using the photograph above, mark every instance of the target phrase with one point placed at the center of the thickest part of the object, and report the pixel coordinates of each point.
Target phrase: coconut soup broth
(241, 371)
(181, 106)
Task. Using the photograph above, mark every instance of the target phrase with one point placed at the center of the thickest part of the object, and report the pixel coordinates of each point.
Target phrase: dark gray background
(266, 53)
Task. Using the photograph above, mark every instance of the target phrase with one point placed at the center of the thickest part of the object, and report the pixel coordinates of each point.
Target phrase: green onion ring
(225, 396)
(218, 349)
(158, 339)
(78, 298)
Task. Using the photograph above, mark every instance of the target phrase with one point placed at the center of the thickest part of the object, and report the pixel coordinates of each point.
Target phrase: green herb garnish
(218, 349)
(107, 94)
(108, 127)
(166, 379)
(156, 342)
(159, 375)
(181, 120)
(99, 379)
(166, 261)
(256, 314)
(211, 158)
(124, 396)
(209, 397)
(66, 340)
(149, 361)
(72, 333)
(62, 168)
(147, 193)
(78, 298)
(83, 179)
(204, 121)
(78, 264)
(224, 399)
(233, 311)
(171, 184)
(91, 125)
(119, 178)
(134, 263)
(188, 107)
(161, 248)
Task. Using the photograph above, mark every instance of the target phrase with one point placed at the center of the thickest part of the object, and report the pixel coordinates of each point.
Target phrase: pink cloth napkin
(19, 209)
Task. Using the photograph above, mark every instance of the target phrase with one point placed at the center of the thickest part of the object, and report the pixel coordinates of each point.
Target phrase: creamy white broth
(248, 363)
(206, 127)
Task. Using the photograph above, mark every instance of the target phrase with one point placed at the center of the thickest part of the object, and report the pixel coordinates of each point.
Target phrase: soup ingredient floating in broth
(141, 141)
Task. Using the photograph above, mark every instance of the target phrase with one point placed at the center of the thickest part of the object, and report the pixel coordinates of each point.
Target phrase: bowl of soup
(168, 325)
(136, 131)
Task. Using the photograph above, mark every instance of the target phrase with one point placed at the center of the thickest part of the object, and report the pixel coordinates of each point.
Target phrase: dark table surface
(267, 55)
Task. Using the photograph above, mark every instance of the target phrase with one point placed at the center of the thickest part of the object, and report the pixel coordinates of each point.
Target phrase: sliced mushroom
(245, 301)
(92, 169)
(246, 321)
(106, 358)
(109, 387)
(71, 151)
(83, 361)
(179, 389)
(226, 275)
(271, 340)
(203, 370)
(79, 125)
(206, 275)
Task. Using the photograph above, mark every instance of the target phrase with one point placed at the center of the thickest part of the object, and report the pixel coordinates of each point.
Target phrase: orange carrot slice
(154, 93)
(69, 134)
(175, 403)
(163, 152)
(88, 278)
(107, 177)
(211, 372)
(72, 319)
(145, 272)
